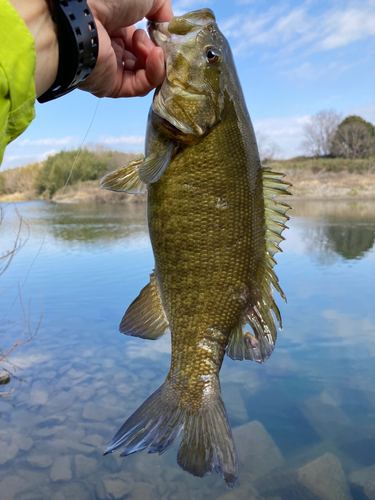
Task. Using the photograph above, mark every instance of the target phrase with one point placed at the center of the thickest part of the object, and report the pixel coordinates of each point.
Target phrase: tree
(355, 138)
(319, 133)
(267, 150)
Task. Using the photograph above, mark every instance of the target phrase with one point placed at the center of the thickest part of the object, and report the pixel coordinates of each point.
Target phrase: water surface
(312, 402)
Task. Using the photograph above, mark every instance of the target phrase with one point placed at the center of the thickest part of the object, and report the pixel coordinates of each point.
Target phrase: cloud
(290, 30)
(50, 141)
(287, 133)
(348, 26)
(123, 139)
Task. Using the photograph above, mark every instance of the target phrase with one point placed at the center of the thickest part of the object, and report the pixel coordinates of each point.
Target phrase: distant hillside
(46, 179)
(320, 178)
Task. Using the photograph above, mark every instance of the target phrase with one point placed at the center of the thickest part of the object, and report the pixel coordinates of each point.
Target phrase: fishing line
(53, 213)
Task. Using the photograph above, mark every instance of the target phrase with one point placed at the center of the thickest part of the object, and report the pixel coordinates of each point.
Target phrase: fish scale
(214, 226)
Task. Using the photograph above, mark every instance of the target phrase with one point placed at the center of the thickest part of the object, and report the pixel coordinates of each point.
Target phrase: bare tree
(353, 140)
(27, 333)
(319, 133)
(267, 150)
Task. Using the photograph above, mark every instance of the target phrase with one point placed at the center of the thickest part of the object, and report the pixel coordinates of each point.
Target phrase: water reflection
(302, 422)
(345, 230)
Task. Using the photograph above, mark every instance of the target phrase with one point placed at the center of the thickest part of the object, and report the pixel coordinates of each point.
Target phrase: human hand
(128, 64)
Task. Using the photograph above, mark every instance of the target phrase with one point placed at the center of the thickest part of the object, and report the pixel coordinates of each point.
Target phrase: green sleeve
(17, 69)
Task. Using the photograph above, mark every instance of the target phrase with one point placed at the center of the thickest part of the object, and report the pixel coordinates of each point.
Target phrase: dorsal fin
(257, 314)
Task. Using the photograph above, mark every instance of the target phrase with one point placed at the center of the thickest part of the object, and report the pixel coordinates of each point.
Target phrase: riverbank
(319, 179)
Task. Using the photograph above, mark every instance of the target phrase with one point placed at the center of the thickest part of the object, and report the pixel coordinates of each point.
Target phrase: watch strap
(78, 46)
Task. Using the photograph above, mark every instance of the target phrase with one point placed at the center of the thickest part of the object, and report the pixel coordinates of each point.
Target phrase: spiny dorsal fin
(154, 165)
(275, 219)
(145, 317)
(272, 183)
(258, 346)
(125, 179)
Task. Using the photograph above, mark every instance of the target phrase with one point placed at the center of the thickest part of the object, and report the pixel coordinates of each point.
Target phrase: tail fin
(207, 443)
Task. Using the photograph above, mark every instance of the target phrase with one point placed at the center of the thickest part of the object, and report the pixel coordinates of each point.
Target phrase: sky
(294, 59)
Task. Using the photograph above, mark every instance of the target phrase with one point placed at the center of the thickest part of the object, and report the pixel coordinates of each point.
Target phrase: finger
(142, 46)
(155, 66)
(161, 12)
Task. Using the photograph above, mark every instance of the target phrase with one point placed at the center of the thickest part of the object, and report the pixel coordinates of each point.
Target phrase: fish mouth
(180, 26)
(158, 32)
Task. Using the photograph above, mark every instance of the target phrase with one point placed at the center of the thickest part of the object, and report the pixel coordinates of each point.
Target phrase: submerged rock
(4, 377)
(61, 470)
(256, 450)
(365, 479)
(84, 465)
(325, 478)
(7, 452)
(40, 461)
(118, 488)
(10, 486)
(234, 401)
(142, 491)
(325, 416)
(245, 492)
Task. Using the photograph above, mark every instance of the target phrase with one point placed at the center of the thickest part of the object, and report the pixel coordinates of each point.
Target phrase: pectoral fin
(125, 179)
(154, 165)
(145, 317)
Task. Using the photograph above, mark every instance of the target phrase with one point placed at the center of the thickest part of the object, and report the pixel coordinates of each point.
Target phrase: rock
(84, 465)
(50, 374)
(94, 412)
(51, 421)
(61, 470)
(7, 452)
(100, 490)
(234, 402)
(94, 439)
(143, 491)
(4, 377)
(124, 389)
(38, 394)
(245, 492)
(75, 374)
(10, 486)
(283, 482)
(325, 416)
(61, 402)
(365, 478)
(75, 491)
(84, 393)
(325, 478)
(24, 443)
(40, 461)
(58, 496)
(256, 450)
(118, 488)
(147, 374)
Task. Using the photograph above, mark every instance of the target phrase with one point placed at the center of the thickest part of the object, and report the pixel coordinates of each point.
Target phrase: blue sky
(294, 59)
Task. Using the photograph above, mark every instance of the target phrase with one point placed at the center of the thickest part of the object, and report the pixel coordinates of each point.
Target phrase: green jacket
(17, 69)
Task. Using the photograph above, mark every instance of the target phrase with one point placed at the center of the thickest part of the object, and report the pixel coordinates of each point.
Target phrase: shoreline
(306, 186)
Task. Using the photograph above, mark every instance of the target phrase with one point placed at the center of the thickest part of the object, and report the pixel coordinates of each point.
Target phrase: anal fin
(145, 317)
(259, 345)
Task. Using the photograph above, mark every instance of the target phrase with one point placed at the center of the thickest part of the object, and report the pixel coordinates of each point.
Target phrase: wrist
(37, 17)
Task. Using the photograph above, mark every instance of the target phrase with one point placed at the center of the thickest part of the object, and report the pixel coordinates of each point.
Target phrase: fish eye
(212, 55)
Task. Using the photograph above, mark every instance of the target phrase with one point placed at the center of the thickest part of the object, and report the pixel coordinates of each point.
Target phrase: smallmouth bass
(214, 226)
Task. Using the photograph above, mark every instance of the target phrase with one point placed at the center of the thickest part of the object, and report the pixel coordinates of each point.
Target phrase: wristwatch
(78, 46)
